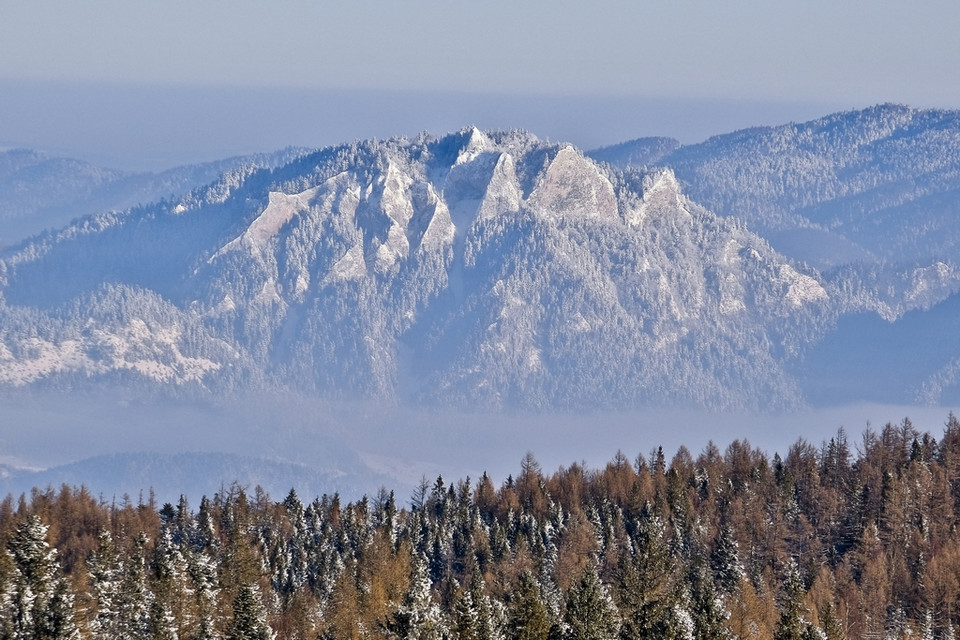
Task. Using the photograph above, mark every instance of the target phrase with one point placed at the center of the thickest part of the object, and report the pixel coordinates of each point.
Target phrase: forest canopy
(841, 540)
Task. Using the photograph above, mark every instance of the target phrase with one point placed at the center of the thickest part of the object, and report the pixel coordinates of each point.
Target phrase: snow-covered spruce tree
(792, 625)
(466, 618)
(202, 570)
(419, 617)
(527, 616)
(491, 615)
(34, 601)
(105, 571)
(249, 616)
(725, 560)
(590, 613)
(134, 598)
(171, 584)
(161, 625)
(646, 586)
(706, 606)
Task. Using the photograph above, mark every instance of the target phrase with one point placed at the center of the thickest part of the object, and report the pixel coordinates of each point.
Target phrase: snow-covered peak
(572, 185)
(503, 191)
(477, 143)
(395, 198)
(661, 193)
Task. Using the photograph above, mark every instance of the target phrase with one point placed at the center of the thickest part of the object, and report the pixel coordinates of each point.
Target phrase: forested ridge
(853, 538)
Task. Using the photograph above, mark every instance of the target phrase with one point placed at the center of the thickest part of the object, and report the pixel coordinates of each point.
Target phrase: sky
(147, 84)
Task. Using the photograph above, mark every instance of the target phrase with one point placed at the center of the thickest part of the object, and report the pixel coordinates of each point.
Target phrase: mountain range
(768, 269)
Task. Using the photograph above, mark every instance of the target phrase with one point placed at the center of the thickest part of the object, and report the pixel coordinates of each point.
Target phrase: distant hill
(878, 184)
(39, 192)
(193, 475)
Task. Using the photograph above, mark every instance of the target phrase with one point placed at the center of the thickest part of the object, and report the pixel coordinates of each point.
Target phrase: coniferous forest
(852, 538)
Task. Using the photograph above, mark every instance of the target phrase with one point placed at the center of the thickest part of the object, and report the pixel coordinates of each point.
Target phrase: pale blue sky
(643, 68)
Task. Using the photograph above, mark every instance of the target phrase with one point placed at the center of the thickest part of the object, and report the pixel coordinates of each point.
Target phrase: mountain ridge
(486, 270)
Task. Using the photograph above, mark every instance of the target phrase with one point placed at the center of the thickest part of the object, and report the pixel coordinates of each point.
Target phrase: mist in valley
(118, 444)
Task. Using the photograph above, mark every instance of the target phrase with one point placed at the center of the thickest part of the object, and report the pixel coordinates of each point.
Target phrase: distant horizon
(141, 127)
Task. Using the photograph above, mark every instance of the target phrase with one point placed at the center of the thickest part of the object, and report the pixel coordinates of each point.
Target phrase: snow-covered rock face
(281, 209)
(477, 144)
(661, 193)
(572, 186)
(801, 288)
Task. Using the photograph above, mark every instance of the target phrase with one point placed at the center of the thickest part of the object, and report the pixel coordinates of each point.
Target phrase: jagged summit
(473, 269)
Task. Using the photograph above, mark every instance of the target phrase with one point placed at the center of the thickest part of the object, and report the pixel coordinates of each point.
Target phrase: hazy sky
(176, 79)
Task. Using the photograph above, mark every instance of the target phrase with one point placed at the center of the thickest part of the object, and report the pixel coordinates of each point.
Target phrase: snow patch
(801, 288)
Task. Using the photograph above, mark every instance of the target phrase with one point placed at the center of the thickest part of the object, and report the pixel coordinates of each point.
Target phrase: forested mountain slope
(492, 270)
(878, 184)
(39, 192)
(480, 270)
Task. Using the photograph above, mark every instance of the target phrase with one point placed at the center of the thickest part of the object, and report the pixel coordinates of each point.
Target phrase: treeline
(841, 540)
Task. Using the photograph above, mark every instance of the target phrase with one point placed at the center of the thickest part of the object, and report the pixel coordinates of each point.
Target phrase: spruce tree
(490, 613)
(202, 570)
(646, 590)
(791, 625)
(706, 607)
(527, 617)
(134, 598)
(466, 622)
(105, 571)
(249, 616)
(590, 613)
(161, 624)
(34, 601)
(419, 617)
(725, 560)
